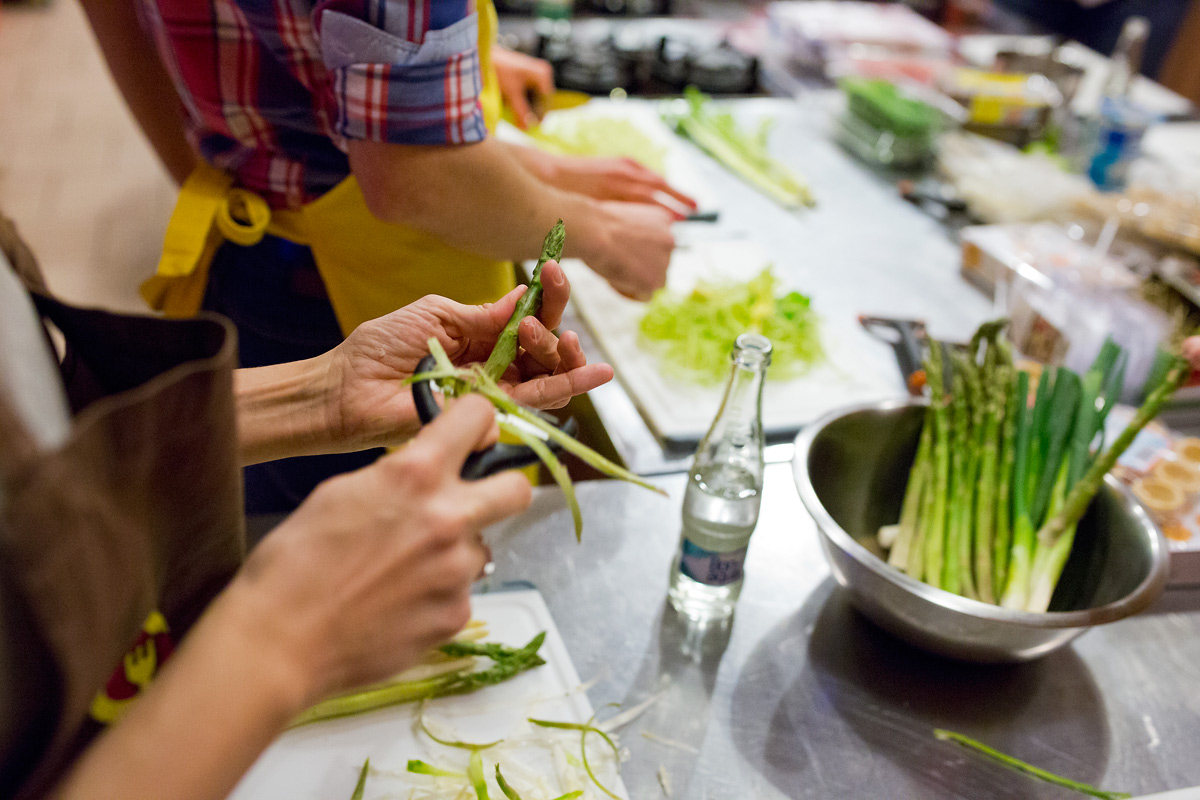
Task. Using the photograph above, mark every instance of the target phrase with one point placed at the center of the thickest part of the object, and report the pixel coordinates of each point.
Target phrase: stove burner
(665, 66)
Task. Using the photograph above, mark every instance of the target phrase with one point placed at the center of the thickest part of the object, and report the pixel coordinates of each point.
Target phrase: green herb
(1028, 769)
(361, 786)
(421, 768)
(505, 349)
(743, 154)
(694, 333)
(473, 747)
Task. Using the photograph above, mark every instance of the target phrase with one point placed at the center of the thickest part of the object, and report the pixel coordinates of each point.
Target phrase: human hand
(520, 76)
(629, 244)
(376, 567)
(370, 407)
(1191, 351)
(614, 179)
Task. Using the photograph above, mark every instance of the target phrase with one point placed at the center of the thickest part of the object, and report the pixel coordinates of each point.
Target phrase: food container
(851, 468)
(1182, 476)
(1162, 499)
(1014, 108)
(885, 127)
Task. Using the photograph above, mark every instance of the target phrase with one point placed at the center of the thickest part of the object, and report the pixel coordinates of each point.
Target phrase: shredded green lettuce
(694, 334)
(593, 135)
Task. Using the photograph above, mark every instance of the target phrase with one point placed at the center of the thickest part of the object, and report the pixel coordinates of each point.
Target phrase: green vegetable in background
(997, 488)
(743, 154)
(694, 334)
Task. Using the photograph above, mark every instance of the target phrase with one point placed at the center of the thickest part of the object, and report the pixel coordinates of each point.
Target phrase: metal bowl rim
(1137, 600)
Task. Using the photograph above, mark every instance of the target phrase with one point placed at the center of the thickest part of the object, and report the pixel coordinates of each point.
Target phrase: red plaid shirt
(272, 89)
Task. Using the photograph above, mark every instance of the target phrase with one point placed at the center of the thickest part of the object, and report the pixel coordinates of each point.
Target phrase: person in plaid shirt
(293, 97)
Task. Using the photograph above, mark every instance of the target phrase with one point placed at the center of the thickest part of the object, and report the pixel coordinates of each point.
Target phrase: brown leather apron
(139, 510)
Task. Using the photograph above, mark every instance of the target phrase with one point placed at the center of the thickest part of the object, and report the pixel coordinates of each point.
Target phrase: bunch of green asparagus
(998, 486)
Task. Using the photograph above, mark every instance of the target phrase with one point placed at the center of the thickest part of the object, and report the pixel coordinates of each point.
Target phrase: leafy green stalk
(717, 133)
(421, 768)
(361, 786)
(1026, 768)
(1002, 544)
(505, 349)
(935, 531)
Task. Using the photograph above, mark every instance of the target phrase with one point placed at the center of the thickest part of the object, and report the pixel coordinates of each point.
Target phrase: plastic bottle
(720, 505)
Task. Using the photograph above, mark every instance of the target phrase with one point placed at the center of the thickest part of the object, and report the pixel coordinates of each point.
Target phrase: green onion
(745, 155)
(1028, 769)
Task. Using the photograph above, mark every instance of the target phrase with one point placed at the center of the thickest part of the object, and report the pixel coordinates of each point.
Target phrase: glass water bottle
(720, 505)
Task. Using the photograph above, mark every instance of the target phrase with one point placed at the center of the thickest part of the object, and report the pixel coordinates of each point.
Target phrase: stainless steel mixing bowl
(851, 468)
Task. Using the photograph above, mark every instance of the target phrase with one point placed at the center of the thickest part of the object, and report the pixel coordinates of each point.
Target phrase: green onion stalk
(1051, 554)
(1016, 587)
(1080, 497)
(918, 476)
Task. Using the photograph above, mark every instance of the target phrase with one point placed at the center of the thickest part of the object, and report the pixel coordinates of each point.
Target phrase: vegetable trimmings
(694, 333)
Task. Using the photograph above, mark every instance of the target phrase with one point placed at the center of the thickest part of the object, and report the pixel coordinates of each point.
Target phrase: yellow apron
(369, 267)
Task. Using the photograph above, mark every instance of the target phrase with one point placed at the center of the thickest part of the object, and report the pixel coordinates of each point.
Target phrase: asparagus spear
(967, 450)
(505, 349)
(985, 508)
(952, 577)
(1016, 411)
(935, 531)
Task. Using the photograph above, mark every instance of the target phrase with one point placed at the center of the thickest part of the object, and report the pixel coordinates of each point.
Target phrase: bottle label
(713, 569)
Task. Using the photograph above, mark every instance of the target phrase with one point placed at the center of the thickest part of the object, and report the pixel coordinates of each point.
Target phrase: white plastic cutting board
(322, 761)
(680, 411)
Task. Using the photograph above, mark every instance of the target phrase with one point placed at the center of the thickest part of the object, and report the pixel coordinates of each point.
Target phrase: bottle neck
(736, 435)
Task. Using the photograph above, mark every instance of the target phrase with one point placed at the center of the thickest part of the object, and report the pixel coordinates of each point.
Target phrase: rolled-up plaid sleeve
(403, 71)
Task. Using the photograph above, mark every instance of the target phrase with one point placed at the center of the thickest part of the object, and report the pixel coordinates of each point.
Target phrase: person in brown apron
(120, 525)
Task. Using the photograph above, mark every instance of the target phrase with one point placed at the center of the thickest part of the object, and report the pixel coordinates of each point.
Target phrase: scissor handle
(490, 460)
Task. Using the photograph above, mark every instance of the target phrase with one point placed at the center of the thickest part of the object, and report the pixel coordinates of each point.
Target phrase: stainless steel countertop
(802, 698)
(861, 250)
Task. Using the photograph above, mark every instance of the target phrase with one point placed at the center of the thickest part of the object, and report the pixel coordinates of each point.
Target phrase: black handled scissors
(496, 458)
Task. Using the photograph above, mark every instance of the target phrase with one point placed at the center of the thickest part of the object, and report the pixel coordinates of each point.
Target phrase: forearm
(144, 83)
(229, 690)
(479, 197)
(284, 410)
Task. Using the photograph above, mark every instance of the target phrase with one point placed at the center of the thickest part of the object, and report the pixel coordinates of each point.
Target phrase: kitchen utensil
(851, 467)
(496, 458)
